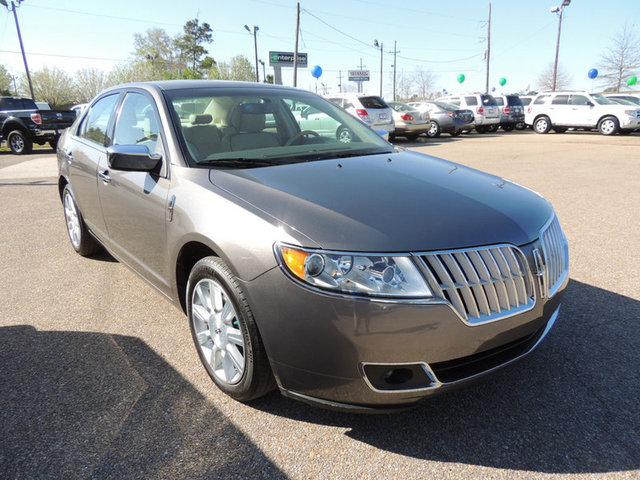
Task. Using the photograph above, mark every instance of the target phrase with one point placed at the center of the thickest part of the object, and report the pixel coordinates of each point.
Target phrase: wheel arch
(190, 253)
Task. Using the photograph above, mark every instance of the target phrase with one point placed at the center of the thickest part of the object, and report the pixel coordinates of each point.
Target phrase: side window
(579, 100)
(471, 101)
(560, 100)
(137, 123)
(541, 99)
(95, 123)
(500, 101)
(454, 101)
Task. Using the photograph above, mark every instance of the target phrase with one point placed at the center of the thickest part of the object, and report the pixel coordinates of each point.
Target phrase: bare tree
(404, 87)
(89, 82)
(621, 59)
(545, 80)
(51, 85)
(424, 81)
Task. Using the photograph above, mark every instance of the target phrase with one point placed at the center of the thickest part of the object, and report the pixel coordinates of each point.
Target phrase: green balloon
(461, 78)
(502, 81)
(632, 80)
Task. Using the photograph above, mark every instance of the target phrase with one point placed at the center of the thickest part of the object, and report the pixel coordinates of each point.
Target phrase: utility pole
(395, 51)
(295, 53)
(559, 10)
(340, 80)
(24, 57)
(381, 47)
(488, 49)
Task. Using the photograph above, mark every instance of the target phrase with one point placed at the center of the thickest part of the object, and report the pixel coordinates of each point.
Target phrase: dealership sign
(358, 75)
(285, 59)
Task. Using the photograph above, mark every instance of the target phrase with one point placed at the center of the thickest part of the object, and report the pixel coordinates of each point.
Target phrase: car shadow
(93, 405)
(571, 407)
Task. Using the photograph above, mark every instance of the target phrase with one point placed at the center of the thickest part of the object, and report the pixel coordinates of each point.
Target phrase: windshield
(401, 107)
(446, 106)
(602, 100)
(249, 127)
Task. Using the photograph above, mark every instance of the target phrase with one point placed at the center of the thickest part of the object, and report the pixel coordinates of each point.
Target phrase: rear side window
(95, 124)
(541, 99)
(514, 101)
(17, 104)
(488, 100)
(373, 102)
(471, 101)
(454, 101)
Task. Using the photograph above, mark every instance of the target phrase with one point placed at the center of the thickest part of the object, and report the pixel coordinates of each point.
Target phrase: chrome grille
(556, 256)
(481, 284)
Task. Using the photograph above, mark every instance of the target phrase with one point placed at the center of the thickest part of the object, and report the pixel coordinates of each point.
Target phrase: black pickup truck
(22, 124)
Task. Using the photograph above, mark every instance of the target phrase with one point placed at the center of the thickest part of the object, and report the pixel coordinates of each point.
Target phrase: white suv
(371, 109)
(578, 109)
(484, 107)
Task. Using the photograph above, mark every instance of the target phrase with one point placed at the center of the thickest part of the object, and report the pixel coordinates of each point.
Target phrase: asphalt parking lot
(99, 377)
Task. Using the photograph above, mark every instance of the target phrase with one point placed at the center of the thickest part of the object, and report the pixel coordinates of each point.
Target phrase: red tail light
(480, 111)
(528, 109)
(408, 117)
(37, 118)
(362, 113)
(506, 110)
(452, 114)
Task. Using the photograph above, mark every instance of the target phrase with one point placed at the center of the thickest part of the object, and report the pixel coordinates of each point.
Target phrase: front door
(134, 203)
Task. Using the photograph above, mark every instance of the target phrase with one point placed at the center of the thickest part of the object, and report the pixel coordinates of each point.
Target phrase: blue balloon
(493, 89)
(317, 71)
(593, 73)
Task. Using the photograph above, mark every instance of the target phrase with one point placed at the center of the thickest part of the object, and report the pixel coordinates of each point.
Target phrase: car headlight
(371, 275)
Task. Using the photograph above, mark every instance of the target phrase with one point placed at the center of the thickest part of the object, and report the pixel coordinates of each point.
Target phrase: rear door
(134, 204)
(560, 111)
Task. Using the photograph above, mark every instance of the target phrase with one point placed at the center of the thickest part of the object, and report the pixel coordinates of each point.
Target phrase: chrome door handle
(104, 176)
(69, 155)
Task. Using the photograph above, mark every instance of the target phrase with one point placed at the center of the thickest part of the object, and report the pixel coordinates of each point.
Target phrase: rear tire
(480, 129)
(608, 126)
(81, 240)
(225, 333)
(19, 142)
(542, 125)
(507, 128)
(456, 133)
(412, 137)
(492, 128)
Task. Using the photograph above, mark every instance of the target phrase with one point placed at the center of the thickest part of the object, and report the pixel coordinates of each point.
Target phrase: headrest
(250, 117)
(200, 119)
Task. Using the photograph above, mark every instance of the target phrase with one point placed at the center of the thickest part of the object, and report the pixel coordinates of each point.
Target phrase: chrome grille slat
(482, 284)
(556, 255)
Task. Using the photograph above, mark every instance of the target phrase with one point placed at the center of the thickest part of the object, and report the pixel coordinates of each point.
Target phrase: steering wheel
(300, 135)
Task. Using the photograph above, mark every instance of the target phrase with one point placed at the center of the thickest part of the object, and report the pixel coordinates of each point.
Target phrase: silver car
(351, 275)
(409, 122)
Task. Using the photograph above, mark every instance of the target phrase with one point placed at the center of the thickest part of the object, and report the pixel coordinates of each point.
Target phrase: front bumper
(334, 350)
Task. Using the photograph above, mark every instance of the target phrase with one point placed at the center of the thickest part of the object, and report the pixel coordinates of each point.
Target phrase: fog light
(398, 376)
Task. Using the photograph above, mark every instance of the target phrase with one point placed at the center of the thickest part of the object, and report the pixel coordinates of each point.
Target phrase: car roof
(168, 85)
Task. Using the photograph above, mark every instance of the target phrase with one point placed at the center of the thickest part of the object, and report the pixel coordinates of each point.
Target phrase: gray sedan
(351, 275)
(445, 118)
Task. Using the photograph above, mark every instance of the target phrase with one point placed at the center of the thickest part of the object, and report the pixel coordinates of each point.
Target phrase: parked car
(445, 118)
(22, 124)
(561, 110)
(526, 99)
(634, 99)
(511, 112)
(349, 275)
(484, 107)
(371, 109)
(409, 122)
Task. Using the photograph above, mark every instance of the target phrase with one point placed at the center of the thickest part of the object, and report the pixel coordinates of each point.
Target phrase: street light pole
(380, 46)
(24, 57)
(558, 10)
(255, 44)
(264, 71)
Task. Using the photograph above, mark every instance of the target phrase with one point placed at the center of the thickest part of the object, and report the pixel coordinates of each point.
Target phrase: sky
(444, 38)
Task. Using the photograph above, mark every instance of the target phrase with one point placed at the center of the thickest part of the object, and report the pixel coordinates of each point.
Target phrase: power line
(67, 56)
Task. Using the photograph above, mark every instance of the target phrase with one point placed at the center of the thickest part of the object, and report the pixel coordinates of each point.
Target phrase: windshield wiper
(241, 162)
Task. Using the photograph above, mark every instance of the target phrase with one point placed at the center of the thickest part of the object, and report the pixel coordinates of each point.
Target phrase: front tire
(19, 142)
(81, 240)
(608, 126)
(225, 333)
(542, 125)
(508, 128)
(344, 135)
(434, 130)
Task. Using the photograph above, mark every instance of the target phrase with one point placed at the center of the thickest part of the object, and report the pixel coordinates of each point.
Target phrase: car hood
(400, 202)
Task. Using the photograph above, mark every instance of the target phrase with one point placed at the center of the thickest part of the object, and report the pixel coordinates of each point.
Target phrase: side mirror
(132, 158)
(590, 104)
